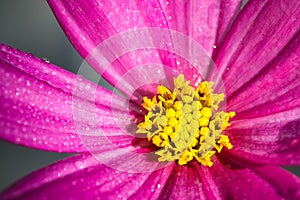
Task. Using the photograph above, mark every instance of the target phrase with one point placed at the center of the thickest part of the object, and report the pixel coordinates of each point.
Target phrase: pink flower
(256, 52)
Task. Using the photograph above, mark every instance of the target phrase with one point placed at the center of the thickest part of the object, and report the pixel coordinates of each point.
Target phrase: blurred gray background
(31, 27)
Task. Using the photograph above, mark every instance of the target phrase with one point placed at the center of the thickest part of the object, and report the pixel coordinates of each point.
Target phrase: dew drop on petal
(79, 164)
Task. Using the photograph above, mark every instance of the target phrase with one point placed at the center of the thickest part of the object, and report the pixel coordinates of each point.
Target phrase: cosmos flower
(256, 71)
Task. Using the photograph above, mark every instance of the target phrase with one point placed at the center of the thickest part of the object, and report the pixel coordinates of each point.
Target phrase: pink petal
(266, 128)
(45, 107)
(228, 12)
(204, 21)
(184, 183)
(90, 23)
(271, 139)
(83, 177)
(274, 89)
(259, 34)
(234, 181)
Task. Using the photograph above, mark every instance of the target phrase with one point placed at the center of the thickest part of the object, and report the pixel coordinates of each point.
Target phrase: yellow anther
(196, 105)
(170, 113)
(179, 82)
(228, 116)
(187, 99)
(173, 122)
(188, 117)
(194, 124)
(218, 147)
(205, 160)
(160, 121)
(194, 142)
(214, 100)
(187, 108)
(185, 122)
(172, 136)
(185, 158)
(168, 130)
(203, 121)
(206, 112)
(203, 89)
(196, 115)
(177, 105)
(157, 140)
(163, 90)
(204, 131)
(197, 134)
(148, 103)
(164, 136)
(224, 140)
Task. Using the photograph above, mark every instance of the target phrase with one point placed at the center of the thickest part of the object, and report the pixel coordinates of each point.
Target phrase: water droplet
(74, 183)
(295, 142)
(79, 164)
(46, 60)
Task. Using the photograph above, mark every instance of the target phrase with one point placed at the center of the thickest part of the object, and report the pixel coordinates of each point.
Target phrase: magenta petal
(83, 177)
(276, 88)
(89, 23)
(233, 181)
(184, 183)
(266, 127)
(261, 31)
(197, 19)
(92, 24)
(272, 139)
(228, 11)
(59, 170)
(205, 21)
(41, 107)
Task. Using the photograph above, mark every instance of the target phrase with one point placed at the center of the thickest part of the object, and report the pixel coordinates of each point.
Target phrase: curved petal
(205, 21)
(83, 177)
(228, 13)
(263, 29)
(184, 183)
(89, 24)
(234, 181)
(45, 107)
(274, 89)
(271, 139)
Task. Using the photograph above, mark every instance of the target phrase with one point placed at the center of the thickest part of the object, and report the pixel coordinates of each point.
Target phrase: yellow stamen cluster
(185, 123)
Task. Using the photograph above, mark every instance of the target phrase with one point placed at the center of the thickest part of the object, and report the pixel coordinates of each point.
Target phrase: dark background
(31, 27)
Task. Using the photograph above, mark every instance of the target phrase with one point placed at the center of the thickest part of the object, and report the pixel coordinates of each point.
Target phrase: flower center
(185, 123)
